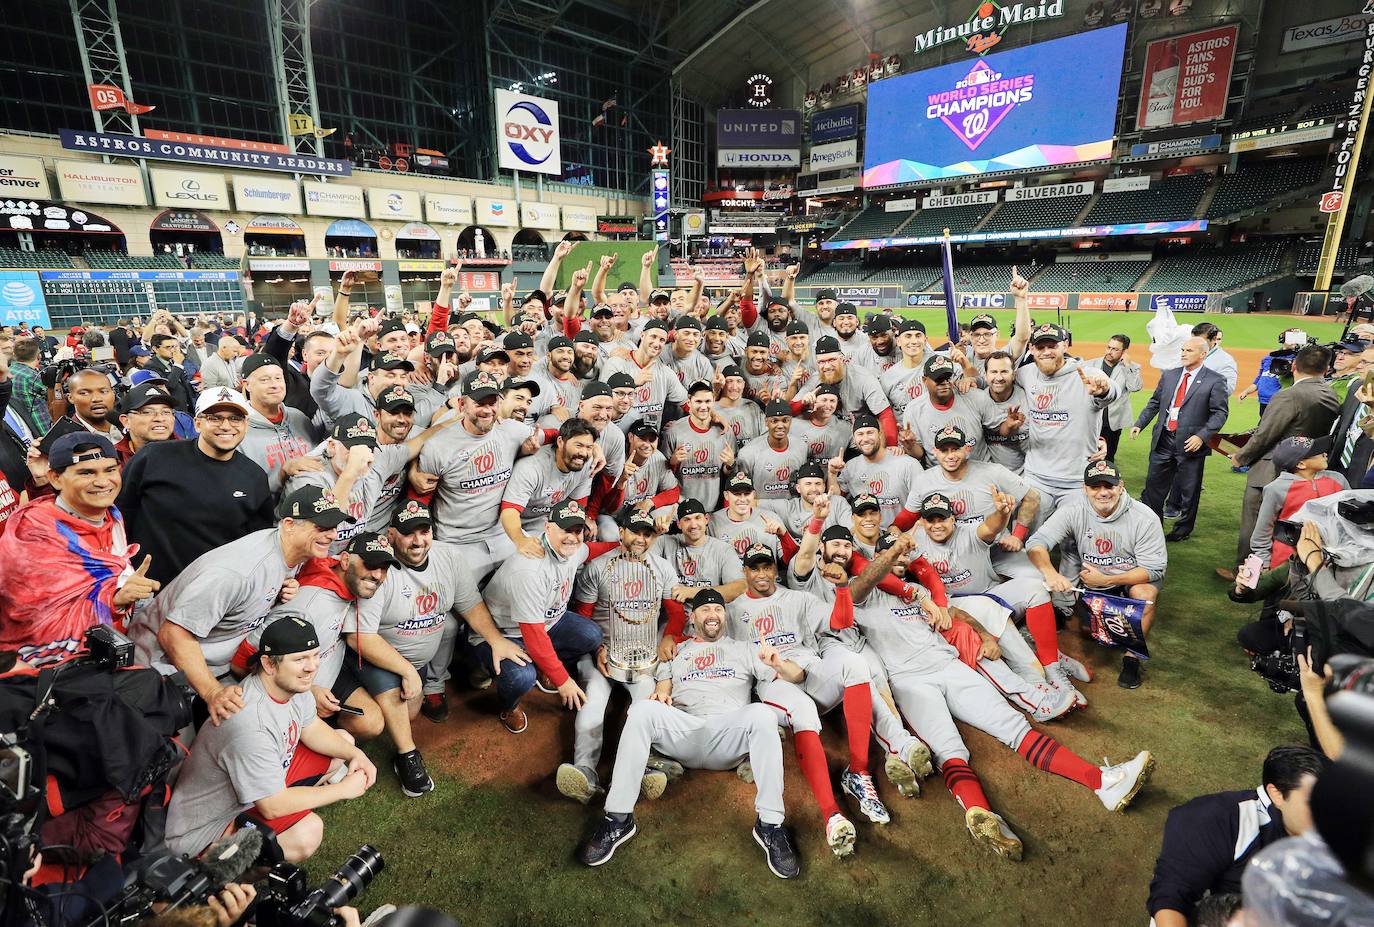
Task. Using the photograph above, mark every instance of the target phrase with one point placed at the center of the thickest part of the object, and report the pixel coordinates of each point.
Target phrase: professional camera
(287, 903)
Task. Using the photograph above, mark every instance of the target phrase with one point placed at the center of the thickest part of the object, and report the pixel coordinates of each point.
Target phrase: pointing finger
(143, 567)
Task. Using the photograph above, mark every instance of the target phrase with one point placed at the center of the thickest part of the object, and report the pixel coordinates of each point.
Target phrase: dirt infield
(1247, 361)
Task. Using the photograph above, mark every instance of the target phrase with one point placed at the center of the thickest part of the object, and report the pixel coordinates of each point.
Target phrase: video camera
(287, 902)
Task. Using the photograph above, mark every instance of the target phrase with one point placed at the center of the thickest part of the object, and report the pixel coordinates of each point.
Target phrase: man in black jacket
(314, 349)
(164, 362)
(1209, 840)
(1352, 451)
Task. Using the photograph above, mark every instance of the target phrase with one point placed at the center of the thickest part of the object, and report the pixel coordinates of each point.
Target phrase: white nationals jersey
(889, 480)
(473, 471)
(789, 621)
(901, 635)
(970, 498)
(710, 677)
(963, 561)
(822, 441)
(711, 563)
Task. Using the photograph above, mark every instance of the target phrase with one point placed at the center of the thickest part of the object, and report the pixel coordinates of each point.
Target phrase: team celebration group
(754, 517)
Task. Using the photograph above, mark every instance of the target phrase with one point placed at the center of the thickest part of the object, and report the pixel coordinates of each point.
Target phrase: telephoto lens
(349, 880)
(1351, 673)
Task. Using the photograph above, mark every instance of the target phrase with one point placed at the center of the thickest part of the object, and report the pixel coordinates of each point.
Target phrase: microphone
(1358, 286)
(225, 862)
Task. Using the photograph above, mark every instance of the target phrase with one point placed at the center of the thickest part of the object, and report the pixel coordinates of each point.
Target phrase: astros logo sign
(528, 132)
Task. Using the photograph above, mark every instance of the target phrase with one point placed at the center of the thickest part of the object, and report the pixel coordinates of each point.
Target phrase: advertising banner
(1179, 302)
(579, 218)
(355, 265)
(942, 201)
(267, 194)
(903, 205)
(417, 231)
(1047, 300)
(189, 189)
(1346, 28)
(398, 205)
(272, 225)
(983, 300)
(280, 264)
(93, 182)
(1050, 191)
(350, 228)
(132, 146)
(190, 138)
(737, 157)
(148, 276)
(617, 225)
(1122, 184)
(21, 299)
(419, 266)
(836, 154)
(182, 220)
(1283, 135)
(831, 125)
(333, 199)
(527, 136)
(448, 209)
(758, 128)
(694, 223)
(538, 216)
(1175, 147)
(470, 280)
(926, 300)
(1112, 301)
(23, 177)
(496, 212)
(869, 295)
(1186, 78)
(38, 216)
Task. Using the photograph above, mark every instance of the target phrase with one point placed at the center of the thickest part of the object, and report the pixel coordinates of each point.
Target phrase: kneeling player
(700, 714)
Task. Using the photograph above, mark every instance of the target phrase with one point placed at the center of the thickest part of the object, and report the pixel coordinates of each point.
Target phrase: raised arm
(560, 251)
(648, 273)
(1020, 334)
(341, 301)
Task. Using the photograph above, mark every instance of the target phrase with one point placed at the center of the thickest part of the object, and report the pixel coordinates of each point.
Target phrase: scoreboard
(75, 296)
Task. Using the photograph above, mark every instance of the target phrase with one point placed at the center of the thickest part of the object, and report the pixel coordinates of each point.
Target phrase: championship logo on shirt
(741, 544)
(816, 448)
(484, 461)
(293, 737)
(958, 506)
(1104, 545)
(876, 487)
(705, 660)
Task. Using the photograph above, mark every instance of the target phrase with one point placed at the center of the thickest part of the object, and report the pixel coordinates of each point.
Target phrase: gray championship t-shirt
(700, 472)
(770, 469)
(594, 584)
(711, 678)
(473, 471)
(889, 480)
(388, 463)
(742, 535)
(537, 485)
(410, 609)
(528, 591)
(713, 562)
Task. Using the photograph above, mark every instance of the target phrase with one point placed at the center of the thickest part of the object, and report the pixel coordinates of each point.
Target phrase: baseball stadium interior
(448, 445)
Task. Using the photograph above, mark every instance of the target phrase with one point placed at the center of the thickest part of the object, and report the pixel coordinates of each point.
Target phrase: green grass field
(493, 844)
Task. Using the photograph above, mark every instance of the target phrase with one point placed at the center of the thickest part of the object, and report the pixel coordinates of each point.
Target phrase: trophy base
(629, 673)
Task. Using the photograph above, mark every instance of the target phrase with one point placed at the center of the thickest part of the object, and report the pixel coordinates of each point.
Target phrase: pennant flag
(608, 104)
(1114, 621)
(951, 305)
(600, 119)
(304, 124)
(106, 97)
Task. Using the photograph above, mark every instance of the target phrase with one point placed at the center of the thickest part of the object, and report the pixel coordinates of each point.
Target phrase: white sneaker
(1074, 668)
(1121, 782)
(840, 835)
(988, 828)
(1048, 703)
(1059, 679)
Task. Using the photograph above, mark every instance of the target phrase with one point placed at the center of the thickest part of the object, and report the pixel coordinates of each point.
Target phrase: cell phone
(104, 353)
(1249, 573)
(350, 710)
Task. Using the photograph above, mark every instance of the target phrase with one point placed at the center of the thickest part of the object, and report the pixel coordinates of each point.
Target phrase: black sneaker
(410, 769)
(777, 849)
(606, 837)
(1130, 673)
(435, 707)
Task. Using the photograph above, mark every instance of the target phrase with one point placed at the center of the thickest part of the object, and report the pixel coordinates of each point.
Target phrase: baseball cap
(374, 550)
(603, 311)
(825, 293)
(865, 502)
(585, 337)
(878, 324)
(700, 386)
(656, 295)
(828, 389)
(827, 344)
(644, 430)
(440, 343)
(221, 396)
(811, 470)
(593, 388)
(1100, 471)
(314, 504)
(686, 321)
(885, 541)
(758, 340)
(412, 328)
(287, 635)
(255, 362)
(1290, 452)
(398, 397)
(776, 409)
(950, 435)
(689, 507)
(635, 520)
(559, 297)
(938, 368)
(389, 326)
(480, 385)
(353, 429)
(145, 394)
(731, 370)
(79, 445)
(1352, 346)
(510, 383)
(517, 341)
(982, 320)
(758, 554)
(707, 596)
(911, 325)
(493, 352)
(654, 325)
(411, 517)
(627, 285)
(569, 515)
(837, 533)
(936, 505)
(1048, 332)
(145, 376)
(846, 309)
(533, 295)
(866, 420)
(740, 482)
(620, 380)
(797, 328)
(717, 323)
(391, 361)
(559, 341)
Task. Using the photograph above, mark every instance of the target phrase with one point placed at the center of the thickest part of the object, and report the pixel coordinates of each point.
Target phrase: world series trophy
(635, 594)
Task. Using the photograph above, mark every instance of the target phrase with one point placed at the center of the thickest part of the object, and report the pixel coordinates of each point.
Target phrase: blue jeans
(572, 637)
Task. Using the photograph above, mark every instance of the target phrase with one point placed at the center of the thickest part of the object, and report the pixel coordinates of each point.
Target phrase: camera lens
(356, 874)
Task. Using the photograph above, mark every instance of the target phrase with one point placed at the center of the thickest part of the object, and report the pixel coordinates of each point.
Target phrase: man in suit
(165, 363)
(1191, 405)
(1352, 451)
(1308, 407)
(1126, 373)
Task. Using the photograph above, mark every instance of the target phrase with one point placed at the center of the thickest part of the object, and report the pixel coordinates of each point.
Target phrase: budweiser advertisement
(1186, 78)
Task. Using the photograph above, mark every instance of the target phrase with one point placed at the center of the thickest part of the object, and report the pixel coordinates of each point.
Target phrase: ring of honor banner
(1114, 621)
(660, 184)
(1186, 78)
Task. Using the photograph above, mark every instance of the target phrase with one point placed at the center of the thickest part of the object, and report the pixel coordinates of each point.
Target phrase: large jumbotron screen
(1051, 103)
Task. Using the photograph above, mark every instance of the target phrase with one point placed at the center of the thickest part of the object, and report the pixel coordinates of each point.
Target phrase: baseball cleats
(745, 771)
(1059, 679)
(606, 837)
(410, 769)
(778, 849)
(515, 720)
(839, 836)
(1048, 703)
(991, 831)
(860, 787)
(670, 768)
(1074, 668)
(653, 783)
(435, 707)
(1121, 782)
(576, 782)
(906, 770)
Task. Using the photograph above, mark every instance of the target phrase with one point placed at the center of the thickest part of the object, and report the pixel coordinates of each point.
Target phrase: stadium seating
(873, 222)
(206, 260)
(1214, 270)
(1103, 276)
(1036, 214)
(43, 257)
(1257, 184)
(956, 218)
(1309, 252)
(1172, 199)
(981, 278)
(913, 278)
(836, 272)
(101, 259)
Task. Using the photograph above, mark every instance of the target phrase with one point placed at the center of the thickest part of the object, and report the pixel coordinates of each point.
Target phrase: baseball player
(932, 688)
(904, 381)
(596, 596)
(646, 481)
(809, 483)
(859, 388)
(655, 382)
(540, 481)
(700, 714)
(982, 328)
(879, 470)
(559, 389)
(742, 416)
(684, 359)
(1120, 543)
(942, 405)
(821, 429)
(771, 459)
(700, 447)
(1006, 446)
(741, 524)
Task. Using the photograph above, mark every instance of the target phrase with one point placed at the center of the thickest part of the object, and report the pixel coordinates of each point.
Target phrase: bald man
(222, 367)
